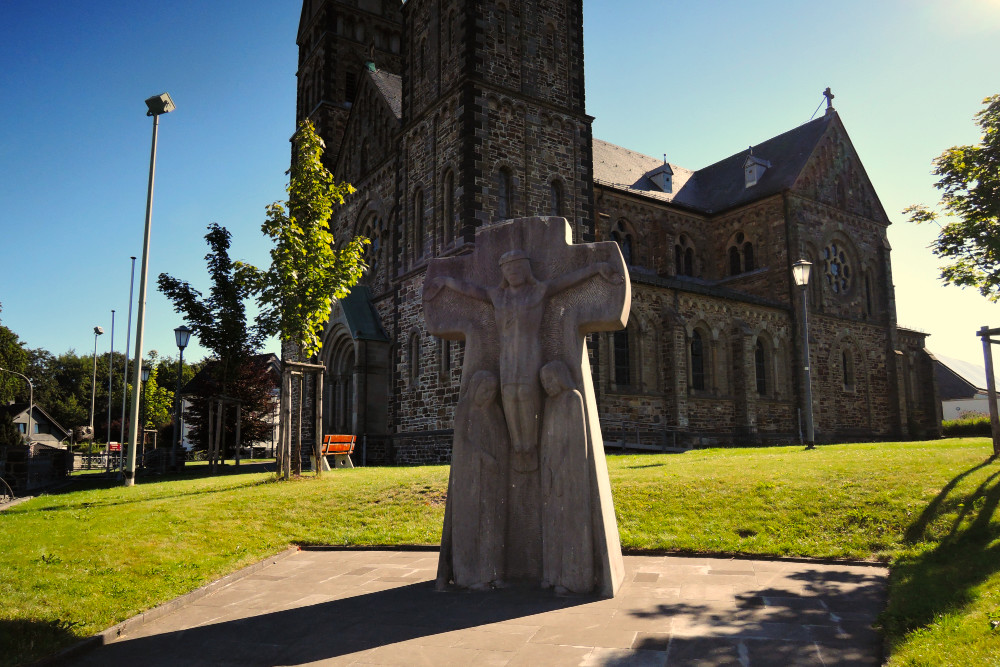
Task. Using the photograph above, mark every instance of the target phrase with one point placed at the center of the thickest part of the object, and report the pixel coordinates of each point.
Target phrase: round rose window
(838, 271)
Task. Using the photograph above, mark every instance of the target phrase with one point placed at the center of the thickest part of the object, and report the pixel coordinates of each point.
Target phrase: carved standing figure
(477, 516)
(519, 304)
(567, 543)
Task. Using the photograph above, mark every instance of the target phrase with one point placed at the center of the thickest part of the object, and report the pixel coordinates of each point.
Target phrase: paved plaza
(345, 607)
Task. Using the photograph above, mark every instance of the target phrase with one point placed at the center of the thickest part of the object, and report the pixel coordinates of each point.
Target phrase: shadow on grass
(941, 579)
(22, 641)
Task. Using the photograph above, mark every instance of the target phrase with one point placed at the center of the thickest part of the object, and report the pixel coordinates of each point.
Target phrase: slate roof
(959, 379)
(391, 87)
(15, 409)
(719, 186)
(361, 316)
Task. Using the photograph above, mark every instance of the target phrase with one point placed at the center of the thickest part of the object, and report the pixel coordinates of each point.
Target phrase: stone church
(448, 115)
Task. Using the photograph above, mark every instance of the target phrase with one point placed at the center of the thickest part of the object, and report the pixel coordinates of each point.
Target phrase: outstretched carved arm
(566, 281)
(434, 286)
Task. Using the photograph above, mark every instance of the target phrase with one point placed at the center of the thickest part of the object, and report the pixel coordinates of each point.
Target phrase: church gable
(834, 175)
(372, 127)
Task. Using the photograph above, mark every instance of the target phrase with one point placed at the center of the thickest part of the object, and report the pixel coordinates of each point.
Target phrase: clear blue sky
(697, 81)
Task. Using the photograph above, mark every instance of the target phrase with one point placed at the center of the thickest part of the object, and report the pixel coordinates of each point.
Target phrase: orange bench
(340, 447)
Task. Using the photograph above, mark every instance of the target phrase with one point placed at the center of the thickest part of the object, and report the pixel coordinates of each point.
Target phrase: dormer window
(662, 177)
(753, 170)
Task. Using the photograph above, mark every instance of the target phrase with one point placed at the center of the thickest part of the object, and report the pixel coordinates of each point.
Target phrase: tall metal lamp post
(31, 397)
(800, 272)
(93, 384)
(182, 335)
(145, 379)
(157, 105)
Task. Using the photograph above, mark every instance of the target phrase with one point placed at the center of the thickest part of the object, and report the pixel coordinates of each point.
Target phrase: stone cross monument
(528, 497)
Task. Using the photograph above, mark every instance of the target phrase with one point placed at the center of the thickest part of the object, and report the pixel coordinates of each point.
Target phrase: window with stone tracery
(622, 235)
(836, 268)
(683, 257)
(741, 255)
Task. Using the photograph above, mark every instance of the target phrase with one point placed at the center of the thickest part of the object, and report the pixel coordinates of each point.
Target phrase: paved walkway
(380, 608)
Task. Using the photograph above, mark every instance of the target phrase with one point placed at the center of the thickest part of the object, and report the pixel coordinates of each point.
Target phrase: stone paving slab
(347, 607)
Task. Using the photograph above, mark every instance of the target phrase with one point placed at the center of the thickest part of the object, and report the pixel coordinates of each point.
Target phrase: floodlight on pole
(182, 336)
(800, 273)
(157, 105)
(93, 383)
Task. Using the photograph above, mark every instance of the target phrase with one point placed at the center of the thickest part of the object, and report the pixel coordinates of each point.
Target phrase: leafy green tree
(969, 179)
(13, 357)
(308, 267)
(219, 320)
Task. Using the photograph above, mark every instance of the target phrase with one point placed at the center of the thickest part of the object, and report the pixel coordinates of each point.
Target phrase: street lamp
(157, 105)
(182, 335)
(800, 272)
(31, 398)
(93, 384)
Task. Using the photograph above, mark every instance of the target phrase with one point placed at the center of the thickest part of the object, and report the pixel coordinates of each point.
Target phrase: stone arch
(623, 233)
(741, 253)
(338, 354)
(838, 265)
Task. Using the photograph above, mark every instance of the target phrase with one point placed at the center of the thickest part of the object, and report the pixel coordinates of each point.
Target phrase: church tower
(494, 124)
(336, 39)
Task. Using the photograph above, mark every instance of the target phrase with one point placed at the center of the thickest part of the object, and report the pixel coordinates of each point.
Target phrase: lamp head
(182, 335)
(145, 374)
(160, 104)
(800, 272)
(98, 331)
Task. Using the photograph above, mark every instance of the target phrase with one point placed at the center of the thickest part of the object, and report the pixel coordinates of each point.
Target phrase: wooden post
(991, 387)
(318, 444)
(286, 428)
(219, 457)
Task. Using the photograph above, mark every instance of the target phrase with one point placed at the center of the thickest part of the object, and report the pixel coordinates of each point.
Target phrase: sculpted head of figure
(484, 387)
(555, 378)
(516, 268)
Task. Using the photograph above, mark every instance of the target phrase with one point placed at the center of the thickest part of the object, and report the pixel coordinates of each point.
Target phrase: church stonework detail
(529, 497)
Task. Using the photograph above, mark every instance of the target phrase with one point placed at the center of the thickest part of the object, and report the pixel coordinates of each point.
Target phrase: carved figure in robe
(519, 305)
(567, 543)
(477, 505)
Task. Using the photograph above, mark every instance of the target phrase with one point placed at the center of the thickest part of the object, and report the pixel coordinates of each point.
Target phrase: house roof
(719, 186)
(15, 410)
(959, 379)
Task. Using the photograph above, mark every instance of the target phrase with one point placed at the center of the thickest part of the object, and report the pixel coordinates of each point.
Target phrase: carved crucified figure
(519, 304)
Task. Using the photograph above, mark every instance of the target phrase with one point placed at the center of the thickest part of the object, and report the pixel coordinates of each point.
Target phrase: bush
(973, 425)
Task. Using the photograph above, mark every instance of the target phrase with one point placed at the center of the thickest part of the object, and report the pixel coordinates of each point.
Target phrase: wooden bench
(340, 447)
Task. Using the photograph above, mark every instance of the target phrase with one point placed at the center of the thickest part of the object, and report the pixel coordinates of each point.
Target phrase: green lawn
(75, 563)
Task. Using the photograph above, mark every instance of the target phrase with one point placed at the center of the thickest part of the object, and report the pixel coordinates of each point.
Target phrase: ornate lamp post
(800, 272)
(157, 105)
(182, 335)
(31, 398)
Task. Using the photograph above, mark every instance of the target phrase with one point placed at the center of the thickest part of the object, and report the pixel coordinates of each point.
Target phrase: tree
(13, 357)
(308, 268)
(970, 185)
(218, 321)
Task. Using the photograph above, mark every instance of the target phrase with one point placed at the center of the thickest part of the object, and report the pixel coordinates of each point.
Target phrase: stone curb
(116, 631)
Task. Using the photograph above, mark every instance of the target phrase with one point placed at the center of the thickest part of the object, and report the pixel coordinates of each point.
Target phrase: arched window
(697, 361)
(444, 370)
(372, 230)
(504, 194)
(621, 351)
(734, 261)
(748, 263)
(414, 359)
(847, 369)
(684, 256)
(623, 237)
(837, 268)
(760, 366)
(418, 224)
(450, 224)
(555, 198)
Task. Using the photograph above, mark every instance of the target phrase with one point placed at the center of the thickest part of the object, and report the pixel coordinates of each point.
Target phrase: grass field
(77, 562)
